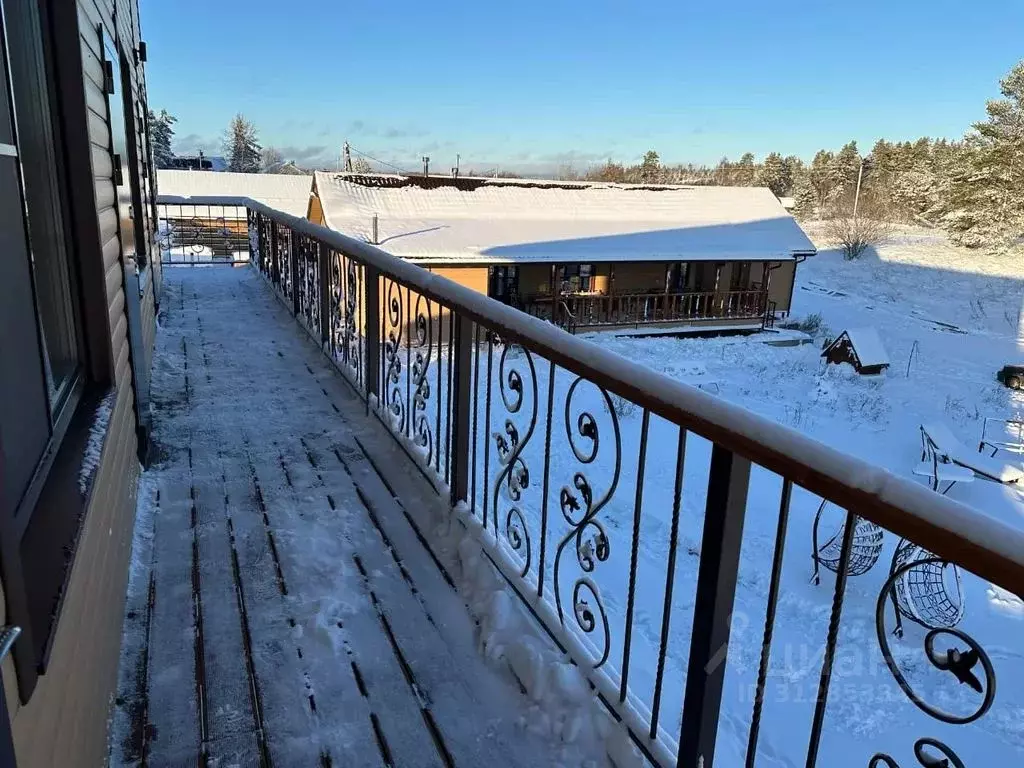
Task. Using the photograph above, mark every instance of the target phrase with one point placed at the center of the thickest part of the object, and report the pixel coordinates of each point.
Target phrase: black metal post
(716, 588)
(275, 262)
(371, 303)
(462, 397)
(294, 254)
(324, 269)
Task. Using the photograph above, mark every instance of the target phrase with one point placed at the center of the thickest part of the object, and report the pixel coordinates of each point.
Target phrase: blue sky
(531, 85)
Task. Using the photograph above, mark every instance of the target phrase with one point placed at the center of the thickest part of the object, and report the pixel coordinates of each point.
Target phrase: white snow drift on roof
(502, 220)
(868, 346)
(286, 192)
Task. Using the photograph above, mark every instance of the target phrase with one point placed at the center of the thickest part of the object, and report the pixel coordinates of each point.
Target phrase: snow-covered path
(281, 610)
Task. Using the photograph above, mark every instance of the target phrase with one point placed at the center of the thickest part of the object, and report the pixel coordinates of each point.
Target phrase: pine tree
(242, 146)
(824, 179)
(650, 168)
(747, 170)
(805, 199)
(985, 205)
(775, 175)
(161, 131)
(847, 167)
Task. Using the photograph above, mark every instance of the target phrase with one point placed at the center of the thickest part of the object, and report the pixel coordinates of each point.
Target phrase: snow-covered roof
(439, 219)
(286, 192)
(867, 346)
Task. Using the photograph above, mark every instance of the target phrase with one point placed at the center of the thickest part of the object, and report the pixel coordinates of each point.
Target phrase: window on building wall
(47, 401)
(677, 277)
(578, 278)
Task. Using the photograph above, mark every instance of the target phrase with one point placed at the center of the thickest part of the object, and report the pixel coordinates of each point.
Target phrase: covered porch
(673, 294)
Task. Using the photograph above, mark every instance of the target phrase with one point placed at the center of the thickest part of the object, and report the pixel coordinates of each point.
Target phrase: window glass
(36, 141)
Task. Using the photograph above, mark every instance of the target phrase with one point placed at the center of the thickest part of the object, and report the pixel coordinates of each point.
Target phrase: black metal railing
(584, 311)
(614, 501)
(191, 233)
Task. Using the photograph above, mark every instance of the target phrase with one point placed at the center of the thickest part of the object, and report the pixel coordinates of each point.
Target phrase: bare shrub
(855, 234)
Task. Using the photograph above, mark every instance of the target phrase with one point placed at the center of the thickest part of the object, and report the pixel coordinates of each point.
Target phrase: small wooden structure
(861, 348)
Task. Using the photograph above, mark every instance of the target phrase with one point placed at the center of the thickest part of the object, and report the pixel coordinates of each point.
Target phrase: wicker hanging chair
(867, 546)
(929, 594)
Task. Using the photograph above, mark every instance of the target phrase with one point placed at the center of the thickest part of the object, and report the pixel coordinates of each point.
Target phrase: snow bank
(563, 705)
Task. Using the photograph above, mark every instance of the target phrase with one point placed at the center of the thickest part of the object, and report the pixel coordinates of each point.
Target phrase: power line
(379, 162)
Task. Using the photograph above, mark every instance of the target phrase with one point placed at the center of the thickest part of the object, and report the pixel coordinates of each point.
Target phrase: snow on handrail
(952, 530)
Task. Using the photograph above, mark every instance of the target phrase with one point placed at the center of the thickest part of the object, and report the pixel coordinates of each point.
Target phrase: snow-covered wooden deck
(282, 610)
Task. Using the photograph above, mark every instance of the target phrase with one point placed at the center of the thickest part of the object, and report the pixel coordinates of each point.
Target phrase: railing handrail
(989, 548)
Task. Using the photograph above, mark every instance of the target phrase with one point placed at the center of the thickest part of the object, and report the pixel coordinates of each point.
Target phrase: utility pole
(346, 154)
(856, 197)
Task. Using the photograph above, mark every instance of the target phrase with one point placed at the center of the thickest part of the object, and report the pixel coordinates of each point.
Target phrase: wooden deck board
(286, 627)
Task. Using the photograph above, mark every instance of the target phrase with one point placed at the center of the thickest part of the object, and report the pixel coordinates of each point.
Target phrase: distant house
(195, 231)
(585, 255)
(286, 192)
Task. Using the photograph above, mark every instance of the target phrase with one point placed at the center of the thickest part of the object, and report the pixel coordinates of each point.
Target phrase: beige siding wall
(782, 285)
(316, 211)
(470, 277)
(640, 277)
(65, 721)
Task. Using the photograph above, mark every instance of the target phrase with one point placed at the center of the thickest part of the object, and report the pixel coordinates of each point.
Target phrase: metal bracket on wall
(108, 78)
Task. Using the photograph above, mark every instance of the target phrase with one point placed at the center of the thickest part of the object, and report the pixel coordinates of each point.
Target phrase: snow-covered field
(949, 319)
(959, 314)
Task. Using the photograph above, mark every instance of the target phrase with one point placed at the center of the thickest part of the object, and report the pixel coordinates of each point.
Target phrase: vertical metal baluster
(323, 253)
(410, 325)
(448, 408)
(631, 594)
(545, 483)
(724, 514)
(769, 619)
(487, 425)
(293, 272)
(374, 334)
(275, 259)
(830, 642)
(465, 398)
(362, 340)
(437, 404)
(476, 409)
(670, 576)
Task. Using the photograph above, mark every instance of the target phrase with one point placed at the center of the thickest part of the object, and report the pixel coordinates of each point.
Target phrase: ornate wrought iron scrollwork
(514, 476)
(949, 758)
(424, 325)
(394, 403)
(312, 284)
(580, 506)
(959, 663)
(350, 335)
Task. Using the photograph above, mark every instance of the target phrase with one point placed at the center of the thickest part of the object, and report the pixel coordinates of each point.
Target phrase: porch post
(323, 255)
(716, 587)
(275, 262)
(293, 256)
(463, 399)
(371, 324)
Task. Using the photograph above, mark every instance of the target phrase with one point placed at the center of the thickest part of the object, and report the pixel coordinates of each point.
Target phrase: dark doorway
(503, 284)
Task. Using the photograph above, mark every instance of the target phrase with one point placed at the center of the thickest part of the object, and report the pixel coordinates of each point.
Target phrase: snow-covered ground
(949, 319)
(959, 314)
